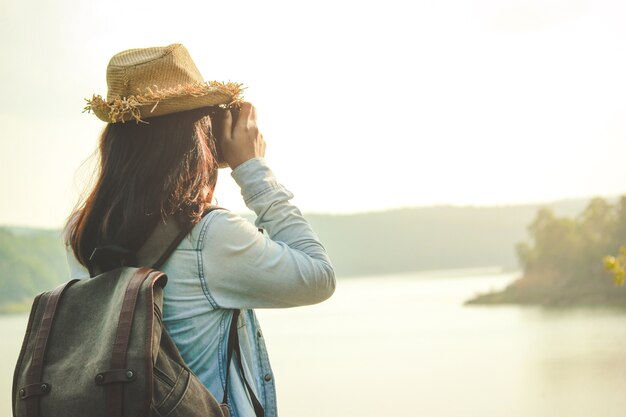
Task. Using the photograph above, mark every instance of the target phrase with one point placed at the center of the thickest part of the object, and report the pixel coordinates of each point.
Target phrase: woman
(159, 161)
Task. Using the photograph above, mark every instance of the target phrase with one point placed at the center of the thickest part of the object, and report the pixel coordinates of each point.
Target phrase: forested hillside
(425, 238)
(404, 240)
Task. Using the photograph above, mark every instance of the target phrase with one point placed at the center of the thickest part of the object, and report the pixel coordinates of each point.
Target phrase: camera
(217, 127)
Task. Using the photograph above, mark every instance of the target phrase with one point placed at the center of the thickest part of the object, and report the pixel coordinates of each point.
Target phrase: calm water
(405, 345)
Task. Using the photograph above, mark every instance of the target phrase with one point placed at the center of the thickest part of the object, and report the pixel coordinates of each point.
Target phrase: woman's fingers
(253, 113)
(243, 141)
(245, 113)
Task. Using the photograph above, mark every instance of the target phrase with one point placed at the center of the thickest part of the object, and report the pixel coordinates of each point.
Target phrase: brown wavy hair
(147, 171)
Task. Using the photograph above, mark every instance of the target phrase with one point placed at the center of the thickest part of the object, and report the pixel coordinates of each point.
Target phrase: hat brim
(159, 102)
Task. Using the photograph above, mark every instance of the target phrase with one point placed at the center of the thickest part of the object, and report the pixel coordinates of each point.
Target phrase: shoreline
(563, 297)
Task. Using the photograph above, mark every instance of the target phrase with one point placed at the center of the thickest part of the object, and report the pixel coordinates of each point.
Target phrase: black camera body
(217, 130)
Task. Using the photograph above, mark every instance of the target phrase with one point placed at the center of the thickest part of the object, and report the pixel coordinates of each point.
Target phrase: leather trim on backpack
(35, 372)
(20, 358)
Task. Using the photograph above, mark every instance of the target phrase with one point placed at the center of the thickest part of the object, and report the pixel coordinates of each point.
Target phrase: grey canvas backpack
(97, 347)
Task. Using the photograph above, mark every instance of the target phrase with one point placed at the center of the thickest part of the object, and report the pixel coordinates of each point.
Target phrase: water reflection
(406, 346)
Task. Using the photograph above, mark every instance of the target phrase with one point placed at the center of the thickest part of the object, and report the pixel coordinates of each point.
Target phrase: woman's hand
(243, 141)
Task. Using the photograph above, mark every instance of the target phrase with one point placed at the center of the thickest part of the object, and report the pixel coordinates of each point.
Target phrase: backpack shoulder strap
(235, 350)
(168, 235)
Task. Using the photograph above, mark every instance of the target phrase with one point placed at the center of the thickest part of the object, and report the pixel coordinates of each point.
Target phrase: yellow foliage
(617, 266)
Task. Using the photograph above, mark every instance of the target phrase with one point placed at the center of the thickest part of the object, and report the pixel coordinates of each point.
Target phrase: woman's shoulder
(223, 224)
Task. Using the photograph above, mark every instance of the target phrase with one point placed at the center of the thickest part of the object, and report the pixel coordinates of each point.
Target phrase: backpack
(97, 347)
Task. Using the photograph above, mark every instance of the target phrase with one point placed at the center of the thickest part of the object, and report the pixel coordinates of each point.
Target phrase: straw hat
(151, 82)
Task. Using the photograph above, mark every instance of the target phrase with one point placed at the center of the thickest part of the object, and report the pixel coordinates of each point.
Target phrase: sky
(364, 105)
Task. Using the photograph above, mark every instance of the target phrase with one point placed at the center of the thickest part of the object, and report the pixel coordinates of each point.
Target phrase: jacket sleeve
(284, 266)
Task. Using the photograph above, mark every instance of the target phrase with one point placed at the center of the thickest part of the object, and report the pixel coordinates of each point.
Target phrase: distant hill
(426, 238)
(403, 240)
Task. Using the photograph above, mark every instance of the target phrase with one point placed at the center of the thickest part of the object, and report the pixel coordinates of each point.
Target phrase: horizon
(248, 212)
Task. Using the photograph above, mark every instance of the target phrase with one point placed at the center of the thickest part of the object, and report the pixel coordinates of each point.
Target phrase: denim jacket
(225, 264)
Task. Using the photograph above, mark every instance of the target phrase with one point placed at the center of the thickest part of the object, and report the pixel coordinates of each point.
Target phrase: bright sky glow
(364, 105)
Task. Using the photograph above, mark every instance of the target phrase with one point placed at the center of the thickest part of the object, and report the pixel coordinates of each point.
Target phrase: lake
(404, 345)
